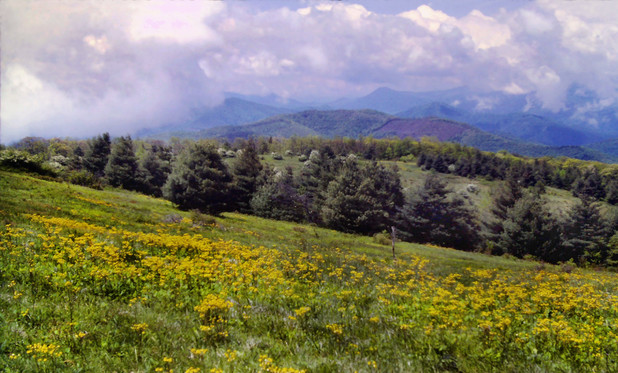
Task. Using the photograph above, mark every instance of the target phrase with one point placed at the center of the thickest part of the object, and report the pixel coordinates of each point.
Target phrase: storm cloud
(78, 68)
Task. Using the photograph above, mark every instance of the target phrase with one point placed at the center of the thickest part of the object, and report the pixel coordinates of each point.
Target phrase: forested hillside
(355, 123)
(342, 184)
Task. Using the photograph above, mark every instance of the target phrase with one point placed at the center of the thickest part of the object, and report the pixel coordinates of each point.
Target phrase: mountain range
(586, 128)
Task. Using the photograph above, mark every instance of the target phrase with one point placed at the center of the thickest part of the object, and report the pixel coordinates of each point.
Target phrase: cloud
(83, 67)
(486, 32)
(181, 22)
(430, 19)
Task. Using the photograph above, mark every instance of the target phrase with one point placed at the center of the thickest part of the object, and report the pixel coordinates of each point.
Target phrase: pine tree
(585, 233)
(383, 186)
(277, 197)
(156, 166)
(362, 200)
(611, 190)
(246, 171)
(342, 207)
(433, 214)
(612, 251)
(589, 185)
(97, 155)
(529, 229)
(122, 169)
(199, 180)
(76, 159)
(504, 198)
(315, 175)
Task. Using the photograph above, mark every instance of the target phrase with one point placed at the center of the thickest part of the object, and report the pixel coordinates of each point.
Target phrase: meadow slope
(117, 281)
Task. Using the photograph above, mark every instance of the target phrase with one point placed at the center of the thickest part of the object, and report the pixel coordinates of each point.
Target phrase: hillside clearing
(116, 281)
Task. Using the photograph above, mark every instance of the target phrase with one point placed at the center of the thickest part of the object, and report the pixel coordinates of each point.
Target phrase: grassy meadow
(116, 281)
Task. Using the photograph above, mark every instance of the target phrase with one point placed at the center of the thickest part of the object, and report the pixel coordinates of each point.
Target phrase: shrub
(172, 218)
(200, 219)
(85, 178)
(21, 160)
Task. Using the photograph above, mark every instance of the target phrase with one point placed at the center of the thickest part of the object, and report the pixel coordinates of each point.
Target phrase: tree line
(342, 185)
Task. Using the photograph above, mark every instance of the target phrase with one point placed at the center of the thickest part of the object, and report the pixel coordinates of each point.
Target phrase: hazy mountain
(355, 123)
(435, 109)
(383, 99)
(350, 123)
(234, 111)
(441, 129)
(584, 119)
(609, 147)
(584, 111)
(272, 100)
(523, 126)
(391, 101)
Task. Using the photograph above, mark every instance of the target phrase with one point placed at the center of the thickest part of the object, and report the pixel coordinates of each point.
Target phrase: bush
(200, 219)
(382, 238)
(85, 178)
(172, 218)
(21, 160)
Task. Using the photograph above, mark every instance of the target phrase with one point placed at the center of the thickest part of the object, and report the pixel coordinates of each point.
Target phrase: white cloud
(101, 44)
(514, 89)
(430, 19)
(261, 64)
(486, 32)
(144, 63)
(536, 23)
(23, 114)
(177, 21)
(583, 110)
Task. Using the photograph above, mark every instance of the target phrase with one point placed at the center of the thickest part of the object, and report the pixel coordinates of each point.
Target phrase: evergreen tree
(156, 166)
(342, 207)
(122, 169)
(277, 198)
(504, 198)
(76, 159)
(585, 233)
(383, 186)
(362, 200)
(589, 185)
(315, 175)
(529, 229)
(199, 180)
(611, 190)
(246, 171)
(97, 155)
(434, 214)
(612, 251)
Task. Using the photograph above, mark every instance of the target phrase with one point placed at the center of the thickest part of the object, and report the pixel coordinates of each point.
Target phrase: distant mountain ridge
(609, 147)
(233, 111)
(517, 123)
(523, 126)
(356, 123)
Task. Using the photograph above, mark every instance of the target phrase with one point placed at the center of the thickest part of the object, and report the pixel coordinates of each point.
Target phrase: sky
(77, 68)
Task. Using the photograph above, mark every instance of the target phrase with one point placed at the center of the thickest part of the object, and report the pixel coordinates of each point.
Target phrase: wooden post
(393, 237)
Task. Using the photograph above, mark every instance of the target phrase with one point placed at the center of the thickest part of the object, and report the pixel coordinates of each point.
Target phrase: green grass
(116, 281)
